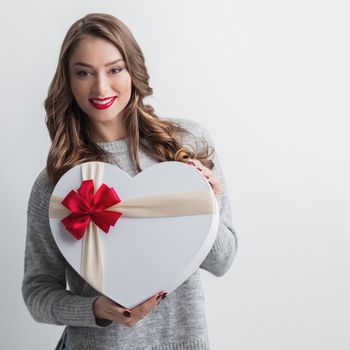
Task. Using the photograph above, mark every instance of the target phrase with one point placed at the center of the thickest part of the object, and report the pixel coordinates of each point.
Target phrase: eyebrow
(88, 65)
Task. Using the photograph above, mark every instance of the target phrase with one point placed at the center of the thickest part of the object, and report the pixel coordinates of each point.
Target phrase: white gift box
(142, 254)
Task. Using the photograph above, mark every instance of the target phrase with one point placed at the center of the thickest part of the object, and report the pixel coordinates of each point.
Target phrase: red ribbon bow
(86, 206)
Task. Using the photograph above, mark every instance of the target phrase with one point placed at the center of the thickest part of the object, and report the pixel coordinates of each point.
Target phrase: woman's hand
(209, 174)
(105, 308)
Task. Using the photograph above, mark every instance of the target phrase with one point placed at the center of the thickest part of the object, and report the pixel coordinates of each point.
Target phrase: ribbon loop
(86, 206)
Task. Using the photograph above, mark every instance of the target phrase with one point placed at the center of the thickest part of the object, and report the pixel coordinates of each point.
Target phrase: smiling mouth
(99, 103)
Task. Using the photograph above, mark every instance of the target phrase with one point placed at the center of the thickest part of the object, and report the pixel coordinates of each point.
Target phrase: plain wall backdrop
(270, 81)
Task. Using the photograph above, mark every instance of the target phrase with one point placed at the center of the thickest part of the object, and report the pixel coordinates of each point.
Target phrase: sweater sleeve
(224, 249)
(44, 281)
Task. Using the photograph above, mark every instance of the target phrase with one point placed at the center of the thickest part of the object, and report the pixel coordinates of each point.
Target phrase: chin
(104, 118)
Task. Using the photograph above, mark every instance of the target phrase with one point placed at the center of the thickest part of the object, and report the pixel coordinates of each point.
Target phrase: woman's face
(100, 83)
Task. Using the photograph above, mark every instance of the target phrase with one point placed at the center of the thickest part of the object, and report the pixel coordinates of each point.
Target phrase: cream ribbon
(169, 204)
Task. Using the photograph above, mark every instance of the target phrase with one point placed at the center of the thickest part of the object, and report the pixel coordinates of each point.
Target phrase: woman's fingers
(215, 184)
(200, 167)
(142, 310)
(147, 306)
(196, 163)
(207, 173)
(105, 308)
(121, 313)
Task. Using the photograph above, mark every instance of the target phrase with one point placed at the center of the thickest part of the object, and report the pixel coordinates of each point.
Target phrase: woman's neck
(108, 131)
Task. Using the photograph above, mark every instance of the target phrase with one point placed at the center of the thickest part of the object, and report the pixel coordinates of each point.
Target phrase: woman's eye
(82, 73)
(116, 70)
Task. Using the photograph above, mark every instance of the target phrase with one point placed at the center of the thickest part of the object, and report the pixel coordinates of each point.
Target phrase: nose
(101, 85)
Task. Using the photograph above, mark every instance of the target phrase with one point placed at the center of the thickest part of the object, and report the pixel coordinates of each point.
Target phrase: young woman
(95, 111)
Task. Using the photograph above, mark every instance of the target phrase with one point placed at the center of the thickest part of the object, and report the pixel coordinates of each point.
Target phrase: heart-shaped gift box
(131, 237)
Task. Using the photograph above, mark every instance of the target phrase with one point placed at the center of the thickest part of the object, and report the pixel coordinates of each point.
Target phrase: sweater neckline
(114, 146)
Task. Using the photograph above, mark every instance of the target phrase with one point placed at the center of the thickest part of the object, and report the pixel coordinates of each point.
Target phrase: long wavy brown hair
(68, 126)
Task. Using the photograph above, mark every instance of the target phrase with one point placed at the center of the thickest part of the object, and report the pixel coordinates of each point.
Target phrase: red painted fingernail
(164, 295)
(126, 313)
(160, 294)
(199, 169)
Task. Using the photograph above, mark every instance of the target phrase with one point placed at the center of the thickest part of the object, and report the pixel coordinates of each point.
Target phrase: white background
(270, 80)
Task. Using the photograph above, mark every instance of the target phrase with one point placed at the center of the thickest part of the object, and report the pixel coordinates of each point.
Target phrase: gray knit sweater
(178, 322)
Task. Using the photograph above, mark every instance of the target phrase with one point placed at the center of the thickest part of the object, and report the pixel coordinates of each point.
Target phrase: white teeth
(102, 102)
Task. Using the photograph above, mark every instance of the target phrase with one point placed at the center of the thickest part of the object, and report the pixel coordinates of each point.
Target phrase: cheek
(124, 82)
(78, 91)
(74, 88)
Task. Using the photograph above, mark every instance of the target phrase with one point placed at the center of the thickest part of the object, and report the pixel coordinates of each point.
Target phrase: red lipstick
(102, 103)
